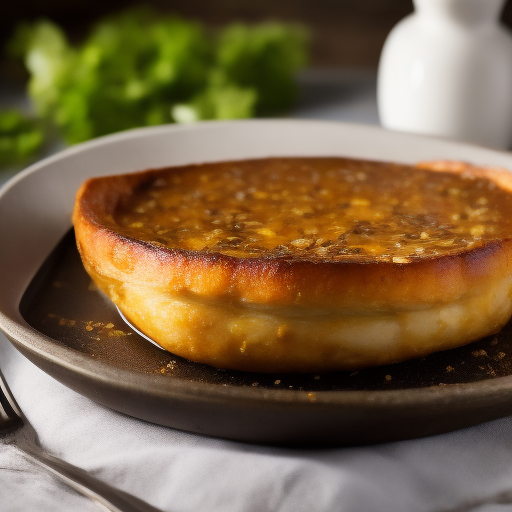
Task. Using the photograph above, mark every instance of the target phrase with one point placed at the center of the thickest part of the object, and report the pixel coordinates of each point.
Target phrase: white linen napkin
(469, 470)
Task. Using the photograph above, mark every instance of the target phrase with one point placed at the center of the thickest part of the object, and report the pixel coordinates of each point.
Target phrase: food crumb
(479, 353)
(388, 378)
(65, 321)
(116, 332)
(277, 382)
(312, 397)
(450, 368)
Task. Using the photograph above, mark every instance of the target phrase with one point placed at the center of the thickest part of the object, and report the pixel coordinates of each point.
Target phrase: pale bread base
(248, 337)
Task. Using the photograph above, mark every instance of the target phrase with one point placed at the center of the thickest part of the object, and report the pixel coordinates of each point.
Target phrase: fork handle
(104, 495)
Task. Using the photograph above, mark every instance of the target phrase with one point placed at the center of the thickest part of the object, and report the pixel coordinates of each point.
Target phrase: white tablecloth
(469, 470)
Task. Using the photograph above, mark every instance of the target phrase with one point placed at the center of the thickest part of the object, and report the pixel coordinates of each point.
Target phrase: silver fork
(15, 429)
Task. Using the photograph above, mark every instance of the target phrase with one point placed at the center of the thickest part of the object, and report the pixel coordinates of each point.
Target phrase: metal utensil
(15, 429)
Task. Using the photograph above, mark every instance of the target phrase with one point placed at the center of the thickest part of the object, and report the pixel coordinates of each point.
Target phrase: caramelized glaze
(316, 209)
(303, 264)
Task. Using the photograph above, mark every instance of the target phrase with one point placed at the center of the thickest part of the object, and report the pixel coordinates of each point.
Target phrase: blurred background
(346, 33)
(337, 82)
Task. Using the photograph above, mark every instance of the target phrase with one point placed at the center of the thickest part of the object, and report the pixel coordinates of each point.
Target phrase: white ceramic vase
(447, 70)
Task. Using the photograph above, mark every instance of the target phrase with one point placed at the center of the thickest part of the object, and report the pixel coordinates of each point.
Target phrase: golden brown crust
(272, 280)
(119, 261)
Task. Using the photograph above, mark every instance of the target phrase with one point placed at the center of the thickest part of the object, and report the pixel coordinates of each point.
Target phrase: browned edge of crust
(277, 281)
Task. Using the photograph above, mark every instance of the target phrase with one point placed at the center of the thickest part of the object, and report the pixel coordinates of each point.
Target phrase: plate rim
(40, 346)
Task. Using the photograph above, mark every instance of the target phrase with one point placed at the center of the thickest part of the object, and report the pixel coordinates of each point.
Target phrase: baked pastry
(303, 264)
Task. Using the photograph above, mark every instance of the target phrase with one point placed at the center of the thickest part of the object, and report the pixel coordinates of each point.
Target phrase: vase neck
(467, 12)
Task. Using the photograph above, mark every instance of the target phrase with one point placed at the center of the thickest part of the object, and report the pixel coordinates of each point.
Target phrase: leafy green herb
(20, 138)
(138, 69)
(264, 57)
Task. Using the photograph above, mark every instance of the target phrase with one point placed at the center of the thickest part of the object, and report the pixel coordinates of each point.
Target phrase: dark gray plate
(52, 314)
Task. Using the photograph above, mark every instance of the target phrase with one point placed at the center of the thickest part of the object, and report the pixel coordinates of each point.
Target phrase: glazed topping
(316, 209)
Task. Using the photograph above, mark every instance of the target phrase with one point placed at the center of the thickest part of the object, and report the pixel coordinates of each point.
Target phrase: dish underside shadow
(62, 303)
